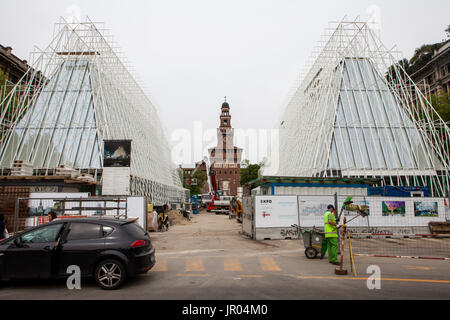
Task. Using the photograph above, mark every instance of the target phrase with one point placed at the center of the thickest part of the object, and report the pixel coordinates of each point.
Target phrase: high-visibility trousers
(330, 244)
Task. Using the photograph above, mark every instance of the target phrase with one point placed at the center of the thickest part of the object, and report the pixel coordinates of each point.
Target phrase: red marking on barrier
(432, 258)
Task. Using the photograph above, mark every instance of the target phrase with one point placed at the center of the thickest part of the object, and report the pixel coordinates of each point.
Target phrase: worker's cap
(330, 206)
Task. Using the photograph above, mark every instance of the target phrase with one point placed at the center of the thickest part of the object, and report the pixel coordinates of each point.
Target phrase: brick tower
(225, 157)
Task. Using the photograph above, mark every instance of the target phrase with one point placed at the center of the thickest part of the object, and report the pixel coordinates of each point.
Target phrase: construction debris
(176, 218)
(64, 170)
(439, 227)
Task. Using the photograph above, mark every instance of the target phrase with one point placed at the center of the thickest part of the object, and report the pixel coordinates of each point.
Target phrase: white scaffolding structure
(358, 114)
(78, 94)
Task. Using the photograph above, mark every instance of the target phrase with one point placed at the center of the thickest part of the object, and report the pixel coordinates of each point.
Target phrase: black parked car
(108, 249)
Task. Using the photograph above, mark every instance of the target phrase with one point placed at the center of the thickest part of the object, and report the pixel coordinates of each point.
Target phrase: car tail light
(138, 243)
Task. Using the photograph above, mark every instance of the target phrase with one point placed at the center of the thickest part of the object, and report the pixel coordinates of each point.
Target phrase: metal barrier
(392, 227)
(423, 246)
(29, 212)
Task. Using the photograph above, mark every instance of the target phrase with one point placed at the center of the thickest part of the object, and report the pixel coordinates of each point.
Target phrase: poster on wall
(276, 211)
(393, 208)
(314, 209)
(358, 206)
(425, 209)
(117, 153)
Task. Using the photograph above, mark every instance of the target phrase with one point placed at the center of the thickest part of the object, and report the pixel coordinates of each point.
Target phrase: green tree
(249, 172)
(441, 103)
(392, 76)
(201, 178)
(422, 56)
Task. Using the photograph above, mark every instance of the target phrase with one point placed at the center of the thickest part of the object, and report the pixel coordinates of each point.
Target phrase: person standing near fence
(330, 242)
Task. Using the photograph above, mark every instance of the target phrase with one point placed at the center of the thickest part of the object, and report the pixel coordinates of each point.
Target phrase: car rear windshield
(135, 230)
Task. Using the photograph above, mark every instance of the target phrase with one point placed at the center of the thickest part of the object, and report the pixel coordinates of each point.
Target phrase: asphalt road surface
(209, 259)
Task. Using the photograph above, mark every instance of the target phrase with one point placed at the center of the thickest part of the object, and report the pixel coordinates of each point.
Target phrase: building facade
(434, 77)
(13, 67)
(225, 157)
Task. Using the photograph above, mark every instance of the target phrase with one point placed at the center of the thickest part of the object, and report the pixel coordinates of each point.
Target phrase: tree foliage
(391, 74)
(421, 57)
(201, 179)
(249, 172)
(441, 103)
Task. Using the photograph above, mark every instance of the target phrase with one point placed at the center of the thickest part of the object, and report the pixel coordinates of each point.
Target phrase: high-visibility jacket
(330, 230)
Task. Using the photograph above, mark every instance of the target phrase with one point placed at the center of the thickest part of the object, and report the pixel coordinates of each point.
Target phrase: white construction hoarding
(275, 211)
(390, 213)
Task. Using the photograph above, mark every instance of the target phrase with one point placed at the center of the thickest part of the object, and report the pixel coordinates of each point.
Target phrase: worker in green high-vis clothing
(330, 242)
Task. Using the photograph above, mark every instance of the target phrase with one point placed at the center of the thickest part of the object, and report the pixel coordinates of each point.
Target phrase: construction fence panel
(33, 211)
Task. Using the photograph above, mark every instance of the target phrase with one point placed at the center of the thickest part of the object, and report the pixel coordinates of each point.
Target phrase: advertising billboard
(116, 153)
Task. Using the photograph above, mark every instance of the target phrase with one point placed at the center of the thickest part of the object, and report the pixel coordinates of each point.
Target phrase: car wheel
(110, 274)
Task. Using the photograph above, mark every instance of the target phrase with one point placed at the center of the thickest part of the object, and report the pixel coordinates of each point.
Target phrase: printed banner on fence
(276, 211)
(380, 211)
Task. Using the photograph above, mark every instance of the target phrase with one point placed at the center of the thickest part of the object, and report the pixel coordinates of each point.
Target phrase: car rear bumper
(143, 262)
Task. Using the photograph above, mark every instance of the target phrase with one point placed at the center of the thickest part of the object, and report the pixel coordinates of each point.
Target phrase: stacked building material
(64, 170)
(21, 168)
(86, 177)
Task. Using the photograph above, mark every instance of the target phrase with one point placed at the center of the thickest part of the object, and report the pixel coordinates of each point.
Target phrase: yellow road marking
(268, 264)
(193, 275)
(420, 268)
(194, 265)
(232, 264)
(382, 279)
(160, 266)
(250, 276)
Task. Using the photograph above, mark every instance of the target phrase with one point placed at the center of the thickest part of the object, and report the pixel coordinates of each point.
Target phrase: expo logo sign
(266, 201)
(264, 214)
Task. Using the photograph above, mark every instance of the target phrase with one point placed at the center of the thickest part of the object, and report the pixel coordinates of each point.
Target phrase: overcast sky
(190, 54)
